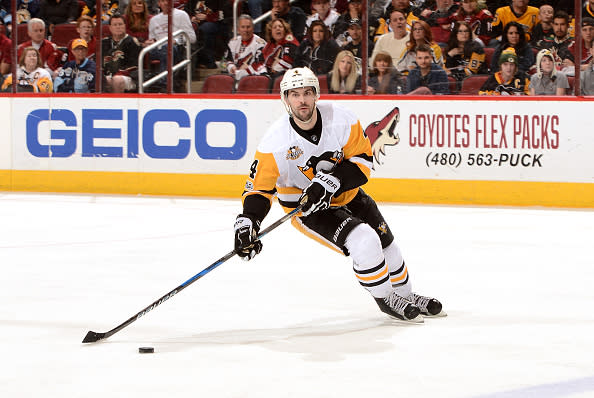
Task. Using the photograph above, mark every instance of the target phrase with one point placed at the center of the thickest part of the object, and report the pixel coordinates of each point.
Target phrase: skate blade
(415, 321)
(440, 315)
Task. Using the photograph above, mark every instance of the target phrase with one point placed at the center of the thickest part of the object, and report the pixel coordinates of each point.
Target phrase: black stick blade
(92, 337)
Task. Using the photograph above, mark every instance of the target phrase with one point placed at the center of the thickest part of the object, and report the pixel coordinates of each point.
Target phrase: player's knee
(364, 246)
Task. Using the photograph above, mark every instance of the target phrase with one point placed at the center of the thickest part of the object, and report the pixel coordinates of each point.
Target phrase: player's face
(85, 30)
(513, 36)
(246, 29)
(508, 70)
(560, 27)
(302, 102)
(546, 64)
(36, 32)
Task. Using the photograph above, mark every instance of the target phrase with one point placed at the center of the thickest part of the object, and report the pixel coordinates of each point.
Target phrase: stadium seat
(22, 33)
(253, 84)
(472, 84)
(453, 83)
(63, 33)
(489, 51)
(218, 84)
(323, 84)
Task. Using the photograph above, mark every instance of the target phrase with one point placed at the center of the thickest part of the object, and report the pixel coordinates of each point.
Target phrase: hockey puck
(146, 350)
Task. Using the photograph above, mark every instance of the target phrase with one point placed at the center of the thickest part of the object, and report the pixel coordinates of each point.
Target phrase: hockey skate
(398, 307)
(429, 306)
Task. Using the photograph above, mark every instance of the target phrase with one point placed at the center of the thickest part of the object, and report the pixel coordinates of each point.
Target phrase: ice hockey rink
(517, 284)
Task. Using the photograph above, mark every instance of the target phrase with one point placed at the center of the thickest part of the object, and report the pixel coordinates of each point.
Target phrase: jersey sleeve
(260, 186)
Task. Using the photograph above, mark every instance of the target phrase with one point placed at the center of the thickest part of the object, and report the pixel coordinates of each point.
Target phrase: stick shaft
(92, 337)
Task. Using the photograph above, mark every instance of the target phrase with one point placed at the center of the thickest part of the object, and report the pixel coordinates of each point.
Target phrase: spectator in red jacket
(51, 57)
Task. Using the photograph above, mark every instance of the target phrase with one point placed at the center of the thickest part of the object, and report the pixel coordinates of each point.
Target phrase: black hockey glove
(247, 243)
(319, 193)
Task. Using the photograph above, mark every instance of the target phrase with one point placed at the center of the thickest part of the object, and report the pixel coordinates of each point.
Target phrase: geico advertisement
(168, 135)
(432, 139)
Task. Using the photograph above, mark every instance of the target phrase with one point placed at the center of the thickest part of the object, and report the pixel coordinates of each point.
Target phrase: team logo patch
(294, 153)
(249, 186)
(383, 228)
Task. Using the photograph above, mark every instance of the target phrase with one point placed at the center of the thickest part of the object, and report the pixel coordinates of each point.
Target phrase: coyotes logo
(382, 133)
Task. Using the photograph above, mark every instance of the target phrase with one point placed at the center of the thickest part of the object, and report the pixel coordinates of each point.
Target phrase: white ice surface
(518, 285)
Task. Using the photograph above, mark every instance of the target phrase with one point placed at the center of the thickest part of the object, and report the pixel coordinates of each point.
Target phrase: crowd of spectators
(413, 46)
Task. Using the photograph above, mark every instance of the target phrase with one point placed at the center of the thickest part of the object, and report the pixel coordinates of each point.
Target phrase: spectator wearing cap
(323, 12)
(5, 49)
(513, 36)
(352, 13)
(568, 56)
(318, 49)
(78, 75)
(509, 80)
(547, 80)
(355, 38)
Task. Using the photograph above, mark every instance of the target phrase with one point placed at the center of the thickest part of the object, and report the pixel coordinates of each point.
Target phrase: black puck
(146, 350)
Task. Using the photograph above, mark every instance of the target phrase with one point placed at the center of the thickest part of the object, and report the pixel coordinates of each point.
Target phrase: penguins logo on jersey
(382, 134)
(383, 228)
(326, 162)
(294, 153)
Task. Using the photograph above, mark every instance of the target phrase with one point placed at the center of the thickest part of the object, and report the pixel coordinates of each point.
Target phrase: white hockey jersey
(285, 162)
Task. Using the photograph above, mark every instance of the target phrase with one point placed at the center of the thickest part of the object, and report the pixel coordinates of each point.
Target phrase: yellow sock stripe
(401, 277)
(372, 277)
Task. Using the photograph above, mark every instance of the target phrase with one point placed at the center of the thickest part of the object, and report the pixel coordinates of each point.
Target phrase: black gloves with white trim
(247, 243)
(319, 193)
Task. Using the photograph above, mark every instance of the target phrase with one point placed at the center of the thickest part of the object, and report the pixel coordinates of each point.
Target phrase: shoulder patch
(289, 37)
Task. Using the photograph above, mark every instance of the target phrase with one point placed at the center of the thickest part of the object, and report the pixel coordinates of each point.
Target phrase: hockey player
(319, 155)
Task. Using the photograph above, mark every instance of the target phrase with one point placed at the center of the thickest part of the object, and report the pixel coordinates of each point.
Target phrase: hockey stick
(92, 337)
